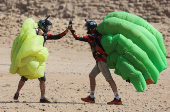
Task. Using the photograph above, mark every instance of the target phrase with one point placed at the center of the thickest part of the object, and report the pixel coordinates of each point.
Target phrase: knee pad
(42, 79)
(24, 78)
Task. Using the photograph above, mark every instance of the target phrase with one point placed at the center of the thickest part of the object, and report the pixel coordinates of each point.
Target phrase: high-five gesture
(70, 25)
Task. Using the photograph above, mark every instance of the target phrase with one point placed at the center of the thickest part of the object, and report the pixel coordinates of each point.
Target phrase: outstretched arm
(77, 37)
(74, 33)
(51, 37)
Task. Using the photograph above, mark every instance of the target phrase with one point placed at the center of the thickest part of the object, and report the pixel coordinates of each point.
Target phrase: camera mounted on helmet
(89, 26)
(44, 25)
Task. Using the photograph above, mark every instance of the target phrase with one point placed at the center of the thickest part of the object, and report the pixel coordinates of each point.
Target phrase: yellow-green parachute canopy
(135, 48)
(28, 55)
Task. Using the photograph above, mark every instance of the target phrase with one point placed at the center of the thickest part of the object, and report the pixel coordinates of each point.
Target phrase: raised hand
(70, 25)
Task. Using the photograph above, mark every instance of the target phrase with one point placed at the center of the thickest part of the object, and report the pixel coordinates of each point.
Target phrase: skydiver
(93, 38)
(43, 29)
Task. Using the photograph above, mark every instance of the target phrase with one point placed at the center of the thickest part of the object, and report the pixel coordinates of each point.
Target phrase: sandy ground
(70, 61)
(67, 72)
(67, 69)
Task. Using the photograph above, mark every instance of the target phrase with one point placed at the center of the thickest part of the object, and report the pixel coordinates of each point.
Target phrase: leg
(92, 76)
(106, 72)
(92, 83)
(42, 85)
(113, 85)
(95, 71)
(20, 85)
(42, 89)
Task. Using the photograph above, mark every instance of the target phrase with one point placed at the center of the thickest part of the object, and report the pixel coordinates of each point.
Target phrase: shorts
(41, 79)
(101, 66)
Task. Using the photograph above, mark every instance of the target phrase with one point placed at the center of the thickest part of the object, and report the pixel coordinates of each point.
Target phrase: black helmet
(43, 24)
(90, 25)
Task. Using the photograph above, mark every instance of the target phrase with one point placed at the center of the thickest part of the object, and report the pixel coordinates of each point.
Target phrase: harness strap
(37, 30)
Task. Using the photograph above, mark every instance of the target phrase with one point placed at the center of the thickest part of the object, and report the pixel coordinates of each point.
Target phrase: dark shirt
(94, 40)
(55, 37)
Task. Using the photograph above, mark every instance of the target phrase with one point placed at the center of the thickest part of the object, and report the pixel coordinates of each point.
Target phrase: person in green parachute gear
(28, 54)
(134, 47)
(93, 38)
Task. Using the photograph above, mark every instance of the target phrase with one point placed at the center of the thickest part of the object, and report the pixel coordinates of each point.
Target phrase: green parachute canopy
(135, 48)
(28, 55)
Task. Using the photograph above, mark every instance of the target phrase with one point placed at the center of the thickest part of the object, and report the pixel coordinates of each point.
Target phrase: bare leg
(20, 85)
(92, 83)
(42, 88)
(90, 98)
(106, 73)
(113, 85)
(95, 71)
(116, 100)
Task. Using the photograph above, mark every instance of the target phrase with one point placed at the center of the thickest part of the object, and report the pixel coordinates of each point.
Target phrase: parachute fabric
(28, 55)
(135, 48)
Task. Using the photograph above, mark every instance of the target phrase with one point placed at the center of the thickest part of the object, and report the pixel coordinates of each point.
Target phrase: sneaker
(115, 101)
(88, 99)
(16, 96)
(44, 100)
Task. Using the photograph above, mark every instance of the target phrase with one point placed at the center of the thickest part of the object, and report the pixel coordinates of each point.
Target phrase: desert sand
(70, 62)
(67, 69)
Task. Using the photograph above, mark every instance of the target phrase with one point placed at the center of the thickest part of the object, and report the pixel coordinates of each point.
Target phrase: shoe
(44, 100)
(16, 96)
(88, 99)
(115, 101)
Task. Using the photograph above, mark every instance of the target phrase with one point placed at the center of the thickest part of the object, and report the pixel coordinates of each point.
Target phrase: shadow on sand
(55, 103)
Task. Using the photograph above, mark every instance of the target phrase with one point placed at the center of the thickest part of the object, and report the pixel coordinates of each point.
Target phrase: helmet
(89, 26)
(44, 25)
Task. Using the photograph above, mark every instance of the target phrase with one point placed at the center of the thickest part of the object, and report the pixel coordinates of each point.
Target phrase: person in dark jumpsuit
(43, 28)
(93, 38)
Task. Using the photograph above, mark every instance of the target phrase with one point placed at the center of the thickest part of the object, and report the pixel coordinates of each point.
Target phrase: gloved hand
(70, 25)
